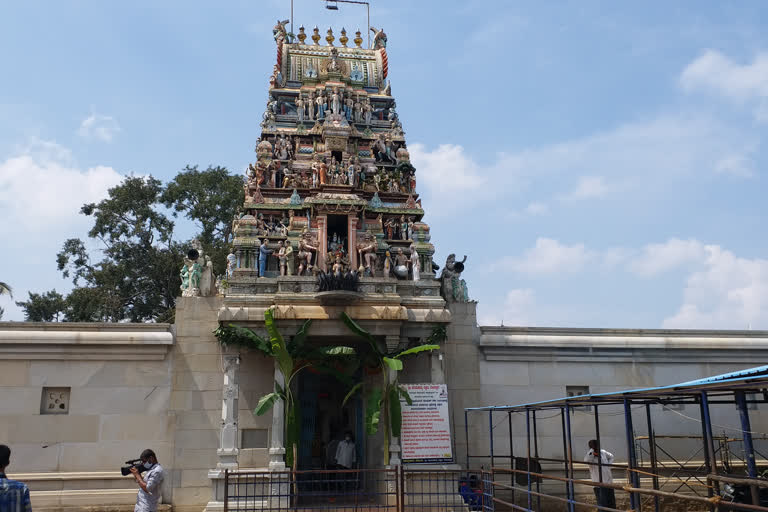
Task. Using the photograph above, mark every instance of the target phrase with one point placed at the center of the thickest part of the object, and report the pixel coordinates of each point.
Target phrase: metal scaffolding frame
(520, 479)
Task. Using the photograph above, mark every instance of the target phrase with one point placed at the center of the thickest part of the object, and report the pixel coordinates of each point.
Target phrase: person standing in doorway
(346, 456)
(14, 495)
(605, 496)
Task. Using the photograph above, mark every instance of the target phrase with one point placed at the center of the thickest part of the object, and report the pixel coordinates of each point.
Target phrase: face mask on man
(348, 438)
(148, 465)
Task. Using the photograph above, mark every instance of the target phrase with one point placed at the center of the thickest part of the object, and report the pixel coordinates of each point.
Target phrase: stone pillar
(277, 439)
(437, 370)
(352, 240)
(228, 451)
(239, 255)
(322, 241)
(394, 442)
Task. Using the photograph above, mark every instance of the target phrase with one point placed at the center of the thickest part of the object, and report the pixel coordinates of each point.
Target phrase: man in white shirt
(150, 485)
(605, 495)
(346, 453)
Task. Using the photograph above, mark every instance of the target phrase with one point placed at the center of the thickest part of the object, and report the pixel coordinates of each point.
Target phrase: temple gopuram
(331, 202)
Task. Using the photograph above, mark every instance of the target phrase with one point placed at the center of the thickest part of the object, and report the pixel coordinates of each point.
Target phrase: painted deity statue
(366, 250)
(264, 253)
(415, 263)
(335, 101)
(307, 246)
(453, 288)
(289, 263)
(310, 103)
(231, 263)
(367, 112)
(300, 108)
(280, 254)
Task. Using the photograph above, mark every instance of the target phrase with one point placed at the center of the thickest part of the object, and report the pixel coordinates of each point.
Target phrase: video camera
(135, 463)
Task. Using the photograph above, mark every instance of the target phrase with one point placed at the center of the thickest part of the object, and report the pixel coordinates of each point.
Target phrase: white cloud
(41, 190)
(536, 208)
(744, 83)
(736, 165)
(728, 293)
(517, 309)
(99, 127)
(655, 259)
(588, 187)
(548, 256)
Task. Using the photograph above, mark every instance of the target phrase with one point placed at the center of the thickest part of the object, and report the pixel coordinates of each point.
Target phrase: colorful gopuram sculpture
(332, 189)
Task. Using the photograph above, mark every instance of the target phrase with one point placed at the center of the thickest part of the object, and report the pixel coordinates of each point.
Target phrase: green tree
(4, 288)
(383, 400)
(43, 307)
(138, 278)
(210, 199)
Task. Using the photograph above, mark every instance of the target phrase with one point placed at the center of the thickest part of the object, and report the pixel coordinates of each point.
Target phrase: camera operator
(150, 484)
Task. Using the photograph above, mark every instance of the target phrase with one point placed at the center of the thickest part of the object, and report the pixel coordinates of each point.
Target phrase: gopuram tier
(332, 219)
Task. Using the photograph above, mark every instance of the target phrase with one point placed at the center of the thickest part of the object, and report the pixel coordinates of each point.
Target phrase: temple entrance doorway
(338, 236)
(324, 421)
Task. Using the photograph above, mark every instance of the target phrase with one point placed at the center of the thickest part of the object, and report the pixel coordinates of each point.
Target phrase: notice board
(426, 432)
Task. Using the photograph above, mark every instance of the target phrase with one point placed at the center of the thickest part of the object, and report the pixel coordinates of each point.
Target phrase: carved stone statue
(310, 103)
(367, 112)
(401, 264)
(264, 253)
(231, 263)
(379, 39)
(335, 101)
(321, 105)
(366, 250)
(452, 287)
(289, 262)
(415, 263)
(387, 264)
(300, 108)
(307, 246)
(280, 254)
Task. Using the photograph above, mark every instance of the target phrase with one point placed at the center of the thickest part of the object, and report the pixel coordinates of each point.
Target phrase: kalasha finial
(343, 39)
(316, 35)
(330, 37)
(302, 35)
(358, 39)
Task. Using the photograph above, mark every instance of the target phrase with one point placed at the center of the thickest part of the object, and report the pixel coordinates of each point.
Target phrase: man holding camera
(605, 496)
(14, 496)
(150, 484)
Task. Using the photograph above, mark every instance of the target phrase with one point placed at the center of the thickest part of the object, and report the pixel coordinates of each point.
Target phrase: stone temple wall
(111, 387)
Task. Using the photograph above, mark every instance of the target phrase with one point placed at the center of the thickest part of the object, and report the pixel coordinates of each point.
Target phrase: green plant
(291, 357)
(383, 401)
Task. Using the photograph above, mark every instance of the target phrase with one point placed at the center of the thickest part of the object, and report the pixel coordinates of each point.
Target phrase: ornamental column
(322, 241)
(392, 343)
(228, 451)
(277, 439)
(352, 240)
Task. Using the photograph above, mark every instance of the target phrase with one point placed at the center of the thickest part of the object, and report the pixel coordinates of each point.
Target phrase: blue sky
(602, 164)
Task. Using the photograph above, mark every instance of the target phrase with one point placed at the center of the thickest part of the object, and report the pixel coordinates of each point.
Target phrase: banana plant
(292, 358)
(383, 401)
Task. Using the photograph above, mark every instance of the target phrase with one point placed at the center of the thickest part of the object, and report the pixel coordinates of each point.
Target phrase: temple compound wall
(119, 388)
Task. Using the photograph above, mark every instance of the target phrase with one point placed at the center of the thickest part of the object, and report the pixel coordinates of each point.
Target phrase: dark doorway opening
(338, 237)
(324, 421)
(337, 155)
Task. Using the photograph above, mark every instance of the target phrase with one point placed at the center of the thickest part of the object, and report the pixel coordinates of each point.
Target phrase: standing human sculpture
(306, 248)
(280, 254)
(289, 263)
(349, 105)
(415, 263)
(366, 250)
(320, 102)
(231, 263)
(335, 101)
(264, 253)
(300, 108)
(368, 111)
(310, 104)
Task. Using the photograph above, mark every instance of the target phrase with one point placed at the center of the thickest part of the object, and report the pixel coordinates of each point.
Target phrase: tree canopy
(133, 273)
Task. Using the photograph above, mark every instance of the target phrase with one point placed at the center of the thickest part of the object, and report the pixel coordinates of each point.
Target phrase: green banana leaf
(395, 412)
(373, 411)
(417, 349)
(277, 343)
(395, 364)
(266, 402)
(354, 327)
(404, 393)
(351, 393)
(337, 351)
